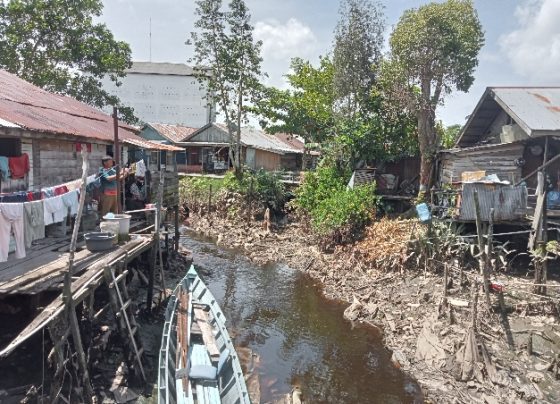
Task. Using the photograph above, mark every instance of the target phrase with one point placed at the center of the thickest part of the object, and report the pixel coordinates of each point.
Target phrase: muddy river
(300, 337)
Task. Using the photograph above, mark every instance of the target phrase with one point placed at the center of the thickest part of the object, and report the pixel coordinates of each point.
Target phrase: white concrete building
(164, 93)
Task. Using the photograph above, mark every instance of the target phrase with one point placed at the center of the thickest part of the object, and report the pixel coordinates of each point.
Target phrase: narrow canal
(299, 336)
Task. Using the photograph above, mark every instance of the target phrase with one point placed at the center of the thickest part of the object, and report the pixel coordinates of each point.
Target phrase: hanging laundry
(19, 166)
(4, 168)
(132, 169)
(55, 210)
(140, 168)
(90, 179)
(34, 222)
(73, 185)
(11, 219)
(13, 197)
(47, 192)
(60, 190)
(34, 196)
(71, 201)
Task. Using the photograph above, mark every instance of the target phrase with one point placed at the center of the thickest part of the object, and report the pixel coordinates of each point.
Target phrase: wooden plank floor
(44, 266)
(39, 248)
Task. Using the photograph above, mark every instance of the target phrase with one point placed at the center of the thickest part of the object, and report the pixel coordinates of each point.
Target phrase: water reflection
(300, 336)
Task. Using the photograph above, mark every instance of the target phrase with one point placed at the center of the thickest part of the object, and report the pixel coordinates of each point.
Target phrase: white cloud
(533, 49)
(281, 43)
(285, 41)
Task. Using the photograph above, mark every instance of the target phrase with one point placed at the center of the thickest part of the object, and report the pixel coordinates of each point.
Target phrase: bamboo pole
(482, 261)
(117, 159)
(69, 302)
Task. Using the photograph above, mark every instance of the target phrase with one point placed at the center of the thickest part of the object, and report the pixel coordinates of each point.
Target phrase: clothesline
(27, 213)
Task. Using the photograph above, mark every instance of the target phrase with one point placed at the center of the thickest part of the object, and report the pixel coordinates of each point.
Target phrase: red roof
(291, 140)
(26, 106)
(173, 133)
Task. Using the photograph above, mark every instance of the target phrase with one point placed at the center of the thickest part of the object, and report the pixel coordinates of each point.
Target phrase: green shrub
(337, 214)
(348, 210)
(319, 185)
(195, 191)
(262, 186)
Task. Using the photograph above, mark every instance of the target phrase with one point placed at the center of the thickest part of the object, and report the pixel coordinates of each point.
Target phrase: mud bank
(509, 353)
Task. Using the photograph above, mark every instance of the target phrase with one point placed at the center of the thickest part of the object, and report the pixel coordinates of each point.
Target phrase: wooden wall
(499, 160)
(170, 188)
(59, 162)
(267, 160)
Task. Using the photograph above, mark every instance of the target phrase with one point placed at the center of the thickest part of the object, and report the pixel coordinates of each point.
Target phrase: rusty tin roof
(173, 133)
(29, 107)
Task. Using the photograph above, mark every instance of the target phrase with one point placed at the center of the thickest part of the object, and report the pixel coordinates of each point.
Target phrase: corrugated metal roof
(173, 133)
(291, 140)
(30, 107)
(258, 139)
(294, 142)
(173, 69)
(150, 145)
(8, 124)
(535, 109)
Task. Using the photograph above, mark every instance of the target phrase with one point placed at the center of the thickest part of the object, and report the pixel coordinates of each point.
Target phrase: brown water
(300, 337)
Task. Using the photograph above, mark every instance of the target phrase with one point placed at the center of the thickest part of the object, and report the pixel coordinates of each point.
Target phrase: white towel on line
(55, 210)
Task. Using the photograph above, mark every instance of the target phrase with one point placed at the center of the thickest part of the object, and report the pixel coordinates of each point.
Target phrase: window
(10, 147)
(181, 158)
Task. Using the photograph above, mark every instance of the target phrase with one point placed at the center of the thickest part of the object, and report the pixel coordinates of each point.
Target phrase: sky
(522, 38)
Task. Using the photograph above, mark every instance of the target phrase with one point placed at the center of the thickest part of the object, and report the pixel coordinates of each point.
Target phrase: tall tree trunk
(238, 172)
(427, 139)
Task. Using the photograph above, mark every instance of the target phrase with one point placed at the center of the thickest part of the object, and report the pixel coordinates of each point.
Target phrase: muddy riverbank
(431, 339)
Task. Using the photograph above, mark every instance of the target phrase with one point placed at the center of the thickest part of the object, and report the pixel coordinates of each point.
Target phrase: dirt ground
(508, 354)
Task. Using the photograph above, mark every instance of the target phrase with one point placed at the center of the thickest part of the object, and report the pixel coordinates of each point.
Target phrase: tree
(381, 132)
(224, 45)
(56, 45)
(306, 109)
(434, 50)
(357, 52)
(449, 135)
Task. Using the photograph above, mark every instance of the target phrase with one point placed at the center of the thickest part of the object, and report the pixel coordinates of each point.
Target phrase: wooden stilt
(59, 337)
(157, 233)
(482, 261)
(151, 280)
(177, 235)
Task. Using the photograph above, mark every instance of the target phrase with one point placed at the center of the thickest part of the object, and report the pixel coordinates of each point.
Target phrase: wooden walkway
(44, 266)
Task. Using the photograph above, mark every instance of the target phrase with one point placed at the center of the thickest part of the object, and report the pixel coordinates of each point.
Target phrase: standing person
(138, 193)
(108, 175)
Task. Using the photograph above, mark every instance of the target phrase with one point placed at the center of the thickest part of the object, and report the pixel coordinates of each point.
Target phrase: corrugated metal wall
(509, 203)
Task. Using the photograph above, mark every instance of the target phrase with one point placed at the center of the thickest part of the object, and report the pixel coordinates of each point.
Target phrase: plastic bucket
(124, 224)
(99, 241)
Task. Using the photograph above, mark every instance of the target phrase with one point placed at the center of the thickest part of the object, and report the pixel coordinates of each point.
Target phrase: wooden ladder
(121, 303)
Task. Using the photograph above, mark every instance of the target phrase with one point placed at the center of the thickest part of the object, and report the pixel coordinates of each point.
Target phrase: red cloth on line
(19, 166)
(60, 190)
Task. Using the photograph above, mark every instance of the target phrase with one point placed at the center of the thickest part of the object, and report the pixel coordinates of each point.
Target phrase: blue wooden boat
(197, 360)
